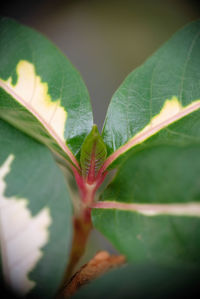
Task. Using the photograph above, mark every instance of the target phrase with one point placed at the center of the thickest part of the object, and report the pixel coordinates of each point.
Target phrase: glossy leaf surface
(41, 93)
(151, 209)
(35, 216)
(164, 89)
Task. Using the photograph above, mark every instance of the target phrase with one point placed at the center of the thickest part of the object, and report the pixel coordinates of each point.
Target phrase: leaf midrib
(53, 134)
(138, 138)
(176, 209)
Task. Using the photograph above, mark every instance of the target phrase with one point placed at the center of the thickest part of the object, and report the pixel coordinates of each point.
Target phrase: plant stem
(82, 221)
(81, 233)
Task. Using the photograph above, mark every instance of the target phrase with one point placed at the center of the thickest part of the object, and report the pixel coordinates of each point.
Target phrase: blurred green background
(105, 40)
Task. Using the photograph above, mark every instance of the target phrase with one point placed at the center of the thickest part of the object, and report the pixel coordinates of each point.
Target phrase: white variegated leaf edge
(22, 236)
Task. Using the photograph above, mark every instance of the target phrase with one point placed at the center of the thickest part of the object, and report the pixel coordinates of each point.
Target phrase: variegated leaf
(151, 209)
(40, 91)
(35, 216)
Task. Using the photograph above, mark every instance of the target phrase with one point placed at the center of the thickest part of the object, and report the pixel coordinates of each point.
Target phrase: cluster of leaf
(151, 209)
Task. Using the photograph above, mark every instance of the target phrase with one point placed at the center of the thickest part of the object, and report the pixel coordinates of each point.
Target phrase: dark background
(104, 39)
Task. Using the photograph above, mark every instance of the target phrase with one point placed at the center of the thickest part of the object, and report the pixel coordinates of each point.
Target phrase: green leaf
(35, 216)
(164, 89)
(151, 209)
(143, 281)
(41, 93)
(93, 154)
